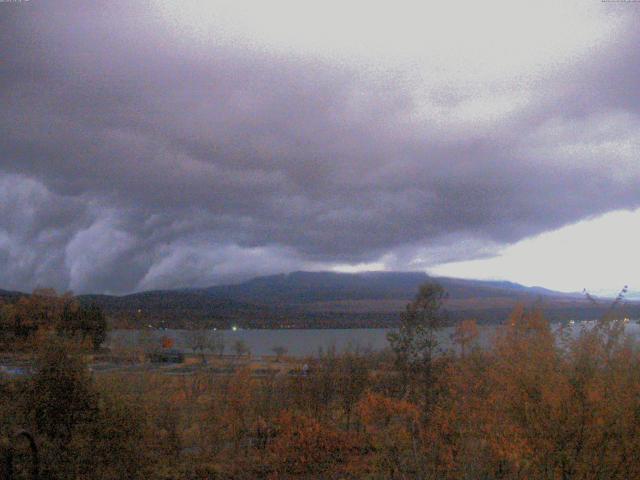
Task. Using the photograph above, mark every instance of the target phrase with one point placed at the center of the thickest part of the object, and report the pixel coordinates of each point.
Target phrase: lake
(298, 342)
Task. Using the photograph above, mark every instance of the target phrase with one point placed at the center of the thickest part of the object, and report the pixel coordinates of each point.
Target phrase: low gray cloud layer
(133, 157)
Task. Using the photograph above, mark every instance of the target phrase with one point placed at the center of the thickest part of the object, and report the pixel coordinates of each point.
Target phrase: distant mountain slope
(329, 299)
(176, 308)
(9, 295)
(308, 287)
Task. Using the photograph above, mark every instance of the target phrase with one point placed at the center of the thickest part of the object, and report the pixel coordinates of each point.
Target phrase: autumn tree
(241, 348)
(238, 403)
(38, 311)
(391, 428)
(304, 447)
(93, 324)
(353, 379)
(81, 429)
(86, 322)
(62, 395)
(205, 340)
(45, 311)
(321, 386)
(198, 341)
(7, 315)
(416, 341)
(167, 342)
(279, 350)
(464, 335)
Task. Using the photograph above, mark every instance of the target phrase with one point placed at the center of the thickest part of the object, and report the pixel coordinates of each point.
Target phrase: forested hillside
(335, 300)
(332, 300)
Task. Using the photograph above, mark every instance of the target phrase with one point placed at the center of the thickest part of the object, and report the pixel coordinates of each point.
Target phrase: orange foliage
(302, 445)
(391, 428)
(379, 413)
(465, 334)
(528, 406)
(167, 342)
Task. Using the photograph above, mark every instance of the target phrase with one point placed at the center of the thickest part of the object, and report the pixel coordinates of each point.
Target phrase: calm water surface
(298, 342)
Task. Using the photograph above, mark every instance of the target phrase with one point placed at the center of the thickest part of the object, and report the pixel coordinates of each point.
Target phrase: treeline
(125, 317)
(182, 310)
(26, 320)
(537, 403)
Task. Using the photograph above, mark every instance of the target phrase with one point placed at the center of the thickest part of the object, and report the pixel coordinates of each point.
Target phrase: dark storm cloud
(133, 158)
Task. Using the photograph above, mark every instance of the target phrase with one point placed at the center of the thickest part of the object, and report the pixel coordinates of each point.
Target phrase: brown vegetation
(29, 319)
(535, 404)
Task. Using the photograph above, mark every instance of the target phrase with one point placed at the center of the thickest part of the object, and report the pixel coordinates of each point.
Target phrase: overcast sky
(156, 144)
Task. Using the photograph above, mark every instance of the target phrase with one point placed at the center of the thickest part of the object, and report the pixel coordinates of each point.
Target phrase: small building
(169, 355)
(13, 371)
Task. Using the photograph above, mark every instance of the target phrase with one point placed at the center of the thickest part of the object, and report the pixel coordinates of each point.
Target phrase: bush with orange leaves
(391, 429)
(503, 412)
(535, 403)
(464, 335)
(304, 446)
(530, 408)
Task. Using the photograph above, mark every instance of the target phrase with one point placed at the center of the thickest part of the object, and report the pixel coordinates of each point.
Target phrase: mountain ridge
(324, 285)
(330, 299)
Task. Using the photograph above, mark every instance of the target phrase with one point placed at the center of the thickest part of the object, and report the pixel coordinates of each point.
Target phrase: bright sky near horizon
(597, 254)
